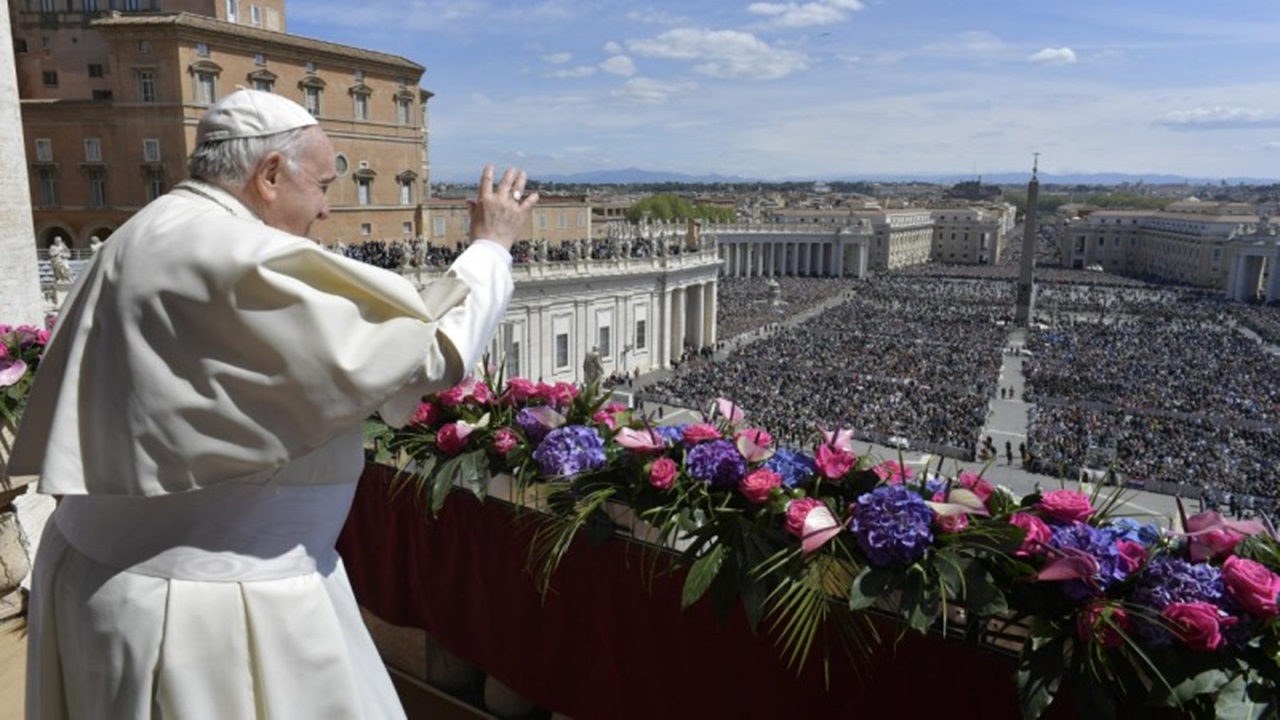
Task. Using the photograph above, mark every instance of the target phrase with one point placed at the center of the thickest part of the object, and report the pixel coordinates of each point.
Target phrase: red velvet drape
(607, 643)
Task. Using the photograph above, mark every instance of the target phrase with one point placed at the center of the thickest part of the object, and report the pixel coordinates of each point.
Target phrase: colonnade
(691, 310)
(809, 254)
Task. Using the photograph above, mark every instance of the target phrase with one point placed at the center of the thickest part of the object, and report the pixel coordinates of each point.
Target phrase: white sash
(226, 533)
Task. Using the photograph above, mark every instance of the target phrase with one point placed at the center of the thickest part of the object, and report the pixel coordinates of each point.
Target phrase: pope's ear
(269, 175)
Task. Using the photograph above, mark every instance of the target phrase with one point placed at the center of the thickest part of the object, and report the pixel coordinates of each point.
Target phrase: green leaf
(871, 584)
(701, 574)
(473, 472)
(442, 482)
(920, 604)
(754, 595)
(1040, 669)
(1235, 701)
(983, 597)
(1195, 675)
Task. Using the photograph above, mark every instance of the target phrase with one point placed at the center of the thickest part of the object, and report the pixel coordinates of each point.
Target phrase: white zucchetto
(251, 113)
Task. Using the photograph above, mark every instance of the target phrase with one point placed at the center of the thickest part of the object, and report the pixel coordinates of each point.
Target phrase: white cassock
(199, 409)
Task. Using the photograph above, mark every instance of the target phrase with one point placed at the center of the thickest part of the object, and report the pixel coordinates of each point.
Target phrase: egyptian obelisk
(1026, 279)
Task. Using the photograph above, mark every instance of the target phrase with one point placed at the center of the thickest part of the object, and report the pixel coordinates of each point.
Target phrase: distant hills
(633, 176)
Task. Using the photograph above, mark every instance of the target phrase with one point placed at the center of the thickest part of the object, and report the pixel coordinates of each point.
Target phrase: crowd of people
(896, 361)
(1164, 384)
(744, 305)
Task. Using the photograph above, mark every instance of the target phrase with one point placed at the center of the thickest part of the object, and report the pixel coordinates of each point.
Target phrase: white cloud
(619, 65)
(1054, 56)
(651, 16)
(1219, 117)
(1273, 146)
(791, 14)
(574, 72)
(647, 91)
(722, 53)
(559, 58)
(613, 48)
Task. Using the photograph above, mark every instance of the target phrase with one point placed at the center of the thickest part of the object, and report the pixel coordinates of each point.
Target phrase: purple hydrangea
(717, 463)
(1101, 547)
(793, 467)
(891, 524)
(1174, 580)
(1167, 580)
(1134, 531)
(935, 485)
(534, 428)
(671, 434)
(569, 450)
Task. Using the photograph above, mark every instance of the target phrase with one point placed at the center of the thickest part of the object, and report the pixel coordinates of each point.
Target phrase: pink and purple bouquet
(822, 534)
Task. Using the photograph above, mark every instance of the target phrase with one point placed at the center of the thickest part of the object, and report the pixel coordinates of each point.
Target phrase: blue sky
(830, 88)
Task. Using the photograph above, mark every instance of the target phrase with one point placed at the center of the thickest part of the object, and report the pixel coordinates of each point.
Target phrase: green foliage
(670, 208)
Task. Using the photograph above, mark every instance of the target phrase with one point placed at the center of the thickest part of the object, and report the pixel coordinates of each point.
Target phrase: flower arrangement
(1126, 615)
(20, 351)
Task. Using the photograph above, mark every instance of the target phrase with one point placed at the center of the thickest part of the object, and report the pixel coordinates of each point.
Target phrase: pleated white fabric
(199, 409)
(228, 602)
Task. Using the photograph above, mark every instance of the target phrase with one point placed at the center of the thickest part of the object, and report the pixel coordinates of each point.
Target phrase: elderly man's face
(303, 196)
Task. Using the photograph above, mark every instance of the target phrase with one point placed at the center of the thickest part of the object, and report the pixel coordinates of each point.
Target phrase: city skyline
(834, 88)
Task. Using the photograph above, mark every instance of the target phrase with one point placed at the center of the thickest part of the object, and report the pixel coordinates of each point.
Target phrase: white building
(639, 313)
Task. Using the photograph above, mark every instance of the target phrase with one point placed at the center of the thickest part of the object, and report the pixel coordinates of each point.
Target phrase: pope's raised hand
(501, 213)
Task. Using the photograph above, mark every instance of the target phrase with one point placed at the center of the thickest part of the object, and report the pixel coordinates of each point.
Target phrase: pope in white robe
(198, 410)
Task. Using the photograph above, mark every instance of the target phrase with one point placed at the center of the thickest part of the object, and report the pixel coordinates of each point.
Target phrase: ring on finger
(516, 195)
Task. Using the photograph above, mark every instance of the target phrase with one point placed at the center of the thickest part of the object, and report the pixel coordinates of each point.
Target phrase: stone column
(1273, 282)
(20, 300)
(665, 331)
(709, 310)
(679, 311)
(695, 319)
(22, 513)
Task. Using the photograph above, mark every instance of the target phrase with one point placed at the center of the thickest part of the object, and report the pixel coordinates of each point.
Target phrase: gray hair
(232, 162)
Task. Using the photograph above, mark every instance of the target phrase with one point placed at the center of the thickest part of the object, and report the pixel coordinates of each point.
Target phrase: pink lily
(730, 411)
(644, 440)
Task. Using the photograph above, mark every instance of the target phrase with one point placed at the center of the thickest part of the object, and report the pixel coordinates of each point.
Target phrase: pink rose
(427, 414)
(1066, 505)
(606, 418)
(562, 394)
(758, 485)
(1212, 536)
(1037, 534)
(1102, 623)
(504, 440)
(642, 441)
(1195, 623)
(953, 523)
(4, 350)
(1252, 585)
(699, 432)
(451, 397)
(833, 464)
(893, 472)
(521, 390)
(1132, 555)
(451, 439)
(468, 389)
(481, 393)
(662, 473)
(797, 511)
(977, 484)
